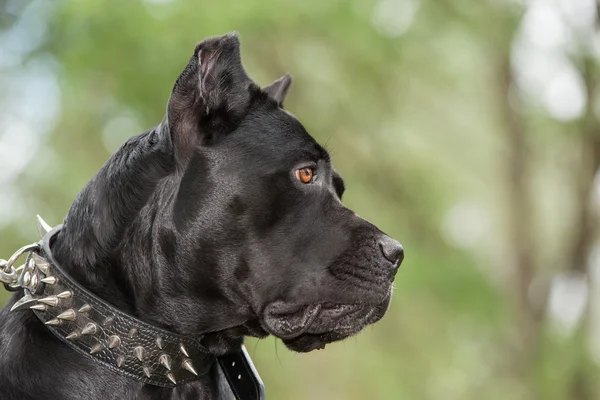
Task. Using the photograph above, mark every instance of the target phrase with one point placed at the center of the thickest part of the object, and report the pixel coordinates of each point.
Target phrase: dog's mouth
(311, 327)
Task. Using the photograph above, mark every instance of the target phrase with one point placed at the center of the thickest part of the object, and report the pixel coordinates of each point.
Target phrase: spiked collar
(115, 339)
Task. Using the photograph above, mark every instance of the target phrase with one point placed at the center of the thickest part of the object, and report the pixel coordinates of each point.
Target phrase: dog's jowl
(223, 221)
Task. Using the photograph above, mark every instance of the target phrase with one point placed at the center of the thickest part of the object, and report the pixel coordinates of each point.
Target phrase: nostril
(392, 250)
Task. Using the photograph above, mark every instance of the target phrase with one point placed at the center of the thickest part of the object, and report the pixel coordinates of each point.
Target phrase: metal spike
(108, 320)
(41, 263)
(187, 364)
(51, 301)
(120, 361)
(53, 322)
(24, 302)
(42, 226)
(165, 360)
(30, 265)
(65, 295)
(85, 308)
(89, 329)
(171, 378)
(96, 348)
(68, 315)
(147, 371)
(50, 280)
(132, 333)
(159, 342)
(183, 350)
(73, 335)
(139, 353)
(38, 307)
(114, 341)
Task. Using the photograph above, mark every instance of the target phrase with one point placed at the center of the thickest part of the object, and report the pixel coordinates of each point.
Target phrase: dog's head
(258, 229)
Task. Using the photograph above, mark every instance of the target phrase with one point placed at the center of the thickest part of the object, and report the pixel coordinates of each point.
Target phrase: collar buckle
(9, 275)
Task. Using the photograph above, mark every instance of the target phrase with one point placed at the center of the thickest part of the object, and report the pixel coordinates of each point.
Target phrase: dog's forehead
(277, 131)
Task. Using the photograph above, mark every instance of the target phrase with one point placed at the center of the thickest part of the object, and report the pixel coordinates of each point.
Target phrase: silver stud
(68, 315)
(26, 278)
(171, 378)
(85, 308)
(51, 301)
(96, 348)
(187, 364)
(53, 322)
(132, 333)
(139, 353)
(72, 336)
(108, 320)
(38, 307)
(41, 263)
(65, 295)
(89, 329)
(183, 350)
(114, 341)
(147, 371)
(165, 360)
(34, 282)
(120, 361)
(30, 265)
(159, 342)
(50, 280)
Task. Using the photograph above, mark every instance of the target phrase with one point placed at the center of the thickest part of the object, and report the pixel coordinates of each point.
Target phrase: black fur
(200, 226)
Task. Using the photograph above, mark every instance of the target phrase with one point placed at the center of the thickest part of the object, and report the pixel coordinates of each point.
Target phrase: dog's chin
(311, 327)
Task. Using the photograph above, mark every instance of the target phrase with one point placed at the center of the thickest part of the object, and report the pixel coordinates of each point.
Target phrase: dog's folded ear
(278, 89)
(212, 93)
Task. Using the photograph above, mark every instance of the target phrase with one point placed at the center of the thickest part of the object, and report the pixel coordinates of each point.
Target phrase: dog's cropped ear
(278, 89)
(212, 93)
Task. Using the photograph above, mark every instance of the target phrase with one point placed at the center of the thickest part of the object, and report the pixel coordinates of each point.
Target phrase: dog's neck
(101, 213)
(110, 244)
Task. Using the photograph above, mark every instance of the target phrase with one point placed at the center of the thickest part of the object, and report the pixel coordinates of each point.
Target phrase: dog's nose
(392, 251)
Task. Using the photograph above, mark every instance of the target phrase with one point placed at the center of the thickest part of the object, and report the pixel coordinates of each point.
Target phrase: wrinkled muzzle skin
(219, 236)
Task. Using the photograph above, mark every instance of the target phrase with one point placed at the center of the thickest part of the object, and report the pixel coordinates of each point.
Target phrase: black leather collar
(118, 341)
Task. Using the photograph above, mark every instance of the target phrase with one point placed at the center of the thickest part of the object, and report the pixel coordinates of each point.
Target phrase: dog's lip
(346, 312)
(289, 322)
(316, 338)
(323, 323)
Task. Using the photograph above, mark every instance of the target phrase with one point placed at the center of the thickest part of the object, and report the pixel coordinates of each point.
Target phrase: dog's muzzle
(358, 295)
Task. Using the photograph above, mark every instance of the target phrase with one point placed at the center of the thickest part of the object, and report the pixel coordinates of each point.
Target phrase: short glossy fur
(200, 226)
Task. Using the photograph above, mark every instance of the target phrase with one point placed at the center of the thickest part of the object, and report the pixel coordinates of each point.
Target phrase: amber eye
(305, 175)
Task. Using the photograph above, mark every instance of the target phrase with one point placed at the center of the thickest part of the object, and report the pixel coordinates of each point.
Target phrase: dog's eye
(305, 175)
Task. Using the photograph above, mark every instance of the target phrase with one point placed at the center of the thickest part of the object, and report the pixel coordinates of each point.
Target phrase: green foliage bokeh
(413, 124)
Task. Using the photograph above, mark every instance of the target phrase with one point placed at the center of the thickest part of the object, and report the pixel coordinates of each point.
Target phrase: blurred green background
(468, 130)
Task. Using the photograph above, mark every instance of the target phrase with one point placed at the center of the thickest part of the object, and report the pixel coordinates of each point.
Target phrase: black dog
(223, 221)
